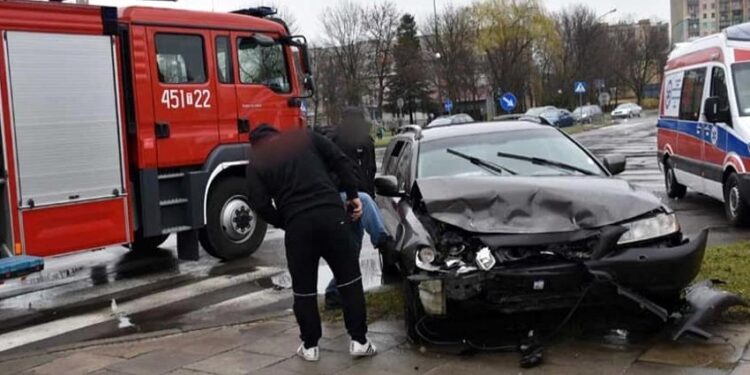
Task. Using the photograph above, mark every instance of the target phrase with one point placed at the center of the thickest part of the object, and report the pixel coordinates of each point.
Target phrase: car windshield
(435, 160)
(742, 87)
(622, 106)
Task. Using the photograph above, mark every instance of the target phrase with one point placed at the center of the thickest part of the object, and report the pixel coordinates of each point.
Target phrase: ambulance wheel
(233, 230)
(735, 205)
(150, 243)
(674, 188)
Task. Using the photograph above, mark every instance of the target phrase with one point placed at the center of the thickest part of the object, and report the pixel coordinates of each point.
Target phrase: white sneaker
(358, 350)
(310, 354)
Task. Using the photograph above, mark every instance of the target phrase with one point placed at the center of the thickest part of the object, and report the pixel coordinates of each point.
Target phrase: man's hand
(354, 208)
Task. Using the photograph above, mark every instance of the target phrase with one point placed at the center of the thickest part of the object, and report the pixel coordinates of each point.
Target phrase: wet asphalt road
(80, 283)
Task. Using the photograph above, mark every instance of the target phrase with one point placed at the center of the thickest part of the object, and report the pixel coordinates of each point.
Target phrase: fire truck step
(173, 202)
(169, 176)
(19, 266)
(171, 230)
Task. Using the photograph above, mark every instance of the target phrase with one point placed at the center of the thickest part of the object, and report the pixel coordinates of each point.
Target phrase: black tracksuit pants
(324, 232)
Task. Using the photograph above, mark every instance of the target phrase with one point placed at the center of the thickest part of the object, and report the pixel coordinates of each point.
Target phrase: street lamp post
(686, 34)
(613, 10)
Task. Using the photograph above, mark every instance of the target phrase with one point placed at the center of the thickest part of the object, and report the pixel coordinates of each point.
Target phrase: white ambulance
(704, 122)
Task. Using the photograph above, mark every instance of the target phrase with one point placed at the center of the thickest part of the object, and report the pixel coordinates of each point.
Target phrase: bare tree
(643, 50)
(583, 55)
(286, 14)
(452, 47)
(345, 36)
(509, 32)
(381, 24)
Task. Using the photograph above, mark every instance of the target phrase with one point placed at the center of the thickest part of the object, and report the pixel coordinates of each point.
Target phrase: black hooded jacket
(292, 169)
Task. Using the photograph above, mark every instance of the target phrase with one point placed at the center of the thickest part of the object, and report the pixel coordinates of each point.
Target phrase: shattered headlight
(425, 257)
(646, 229)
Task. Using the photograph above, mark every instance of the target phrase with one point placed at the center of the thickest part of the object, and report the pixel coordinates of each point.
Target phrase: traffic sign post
(508, 102)
(579, 87)
(448, 106)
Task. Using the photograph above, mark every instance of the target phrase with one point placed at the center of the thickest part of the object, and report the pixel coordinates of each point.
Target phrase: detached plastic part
(19, 266)
(705, 303)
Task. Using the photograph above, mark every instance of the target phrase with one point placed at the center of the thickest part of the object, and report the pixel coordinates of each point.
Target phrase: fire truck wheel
(145, 244)
(233, 230)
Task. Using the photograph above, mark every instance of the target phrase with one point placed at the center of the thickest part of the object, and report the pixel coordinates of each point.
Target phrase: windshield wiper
(540, 161)
(481, 162)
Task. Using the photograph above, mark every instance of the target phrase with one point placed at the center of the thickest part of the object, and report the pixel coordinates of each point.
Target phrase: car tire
(147, 244)
(413, 312)
(675, 190)
(735, 206)
(223, 237)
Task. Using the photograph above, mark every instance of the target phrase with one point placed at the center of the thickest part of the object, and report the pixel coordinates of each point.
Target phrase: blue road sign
(580, 87)
(448, 105)
(508, 102)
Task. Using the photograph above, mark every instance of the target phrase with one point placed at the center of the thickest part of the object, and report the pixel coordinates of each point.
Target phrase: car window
(692, 94)
(404, 167)
(434, 160)
(224, 59)
(391, 157)
(741, 74)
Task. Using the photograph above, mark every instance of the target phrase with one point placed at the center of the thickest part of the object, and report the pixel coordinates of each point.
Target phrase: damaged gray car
(516, 217)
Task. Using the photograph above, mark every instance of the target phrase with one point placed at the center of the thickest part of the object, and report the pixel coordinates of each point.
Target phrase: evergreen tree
(410, 81)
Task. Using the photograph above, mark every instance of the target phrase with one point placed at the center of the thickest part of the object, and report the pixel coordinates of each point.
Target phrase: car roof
(458, 130)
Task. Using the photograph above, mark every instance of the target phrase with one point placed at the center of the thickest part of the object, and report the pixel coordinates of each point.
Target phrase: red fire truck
(121, 127)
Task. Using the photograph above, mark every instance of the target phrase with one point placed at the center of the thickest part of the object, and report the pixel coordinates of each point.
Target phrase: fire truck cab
(121, 127)
(704, 126)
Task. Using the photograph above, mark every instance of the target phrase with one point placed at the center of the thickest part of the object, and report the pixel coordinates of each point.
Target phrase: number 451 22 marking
(177, 99)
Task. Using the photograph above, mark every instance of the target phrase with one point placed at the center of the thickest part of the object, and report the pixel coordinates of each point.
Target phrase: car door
(715, 137)
(688, 158)
(389, 205)
(184, 95)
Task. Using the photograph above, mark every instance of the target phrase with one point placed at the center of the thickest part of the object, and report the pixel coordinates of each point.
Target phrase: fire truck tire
(233, 230)
(146, 244)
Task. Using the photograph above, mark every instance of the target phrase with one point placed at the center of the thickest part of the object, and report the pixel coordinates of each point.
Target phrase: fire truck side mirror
(309, 84)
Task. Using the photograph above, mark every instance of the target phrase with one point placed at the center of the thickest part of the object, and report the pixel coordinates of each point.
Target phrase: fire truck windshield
(263, 65)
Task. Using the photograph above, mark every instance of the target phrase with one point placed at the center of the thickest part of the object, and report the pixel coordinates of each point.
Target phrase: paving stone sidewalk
(268, 347)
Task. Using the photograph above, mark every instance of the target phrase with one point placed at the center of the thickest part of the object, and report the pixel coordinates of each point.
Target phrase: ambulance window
(224, 59)
(719, 88)
(741, 78)
(692, 94)
(180, 58)
(263, 65)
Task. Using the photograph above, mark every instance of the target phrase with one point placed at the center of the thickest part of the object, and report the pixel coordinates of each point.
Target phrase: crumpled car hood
(517, 205)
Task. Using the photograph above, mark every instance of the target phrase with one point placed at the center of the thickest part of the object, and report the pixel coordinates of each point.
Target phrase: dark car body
(560, 118)
(553, 236)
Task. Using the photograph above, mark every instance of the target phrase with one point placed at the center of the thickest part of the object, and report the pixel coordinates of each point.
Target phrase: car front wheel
(413, 312)
(735, 205)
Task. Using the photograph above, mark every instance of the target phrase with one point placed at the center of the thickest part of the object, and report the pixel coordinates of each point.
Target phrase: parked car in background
(560, 118)
(515, 216)
(537, 111)
(460, 118)
(627, 110)
(587, 114)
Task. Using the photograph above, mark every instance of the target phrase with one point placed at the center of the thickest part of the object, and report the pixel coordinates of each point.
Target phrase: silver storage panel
(65, 117)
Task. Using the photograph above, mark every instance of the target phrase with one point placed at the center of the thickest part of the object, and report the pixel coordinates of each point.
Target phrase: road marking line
(59, 327)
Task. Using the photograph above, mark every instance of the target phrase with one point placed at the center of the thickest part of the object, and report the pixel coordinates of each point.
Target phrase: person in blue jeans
(353, 138)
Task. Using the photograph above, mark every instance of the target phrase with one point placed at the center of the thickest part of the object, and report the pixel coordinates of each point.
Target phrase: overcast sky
(309, 12)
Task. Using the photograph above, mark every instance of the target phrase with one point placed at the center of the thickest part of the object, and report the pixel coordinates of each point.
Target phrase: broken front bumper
(650, 271)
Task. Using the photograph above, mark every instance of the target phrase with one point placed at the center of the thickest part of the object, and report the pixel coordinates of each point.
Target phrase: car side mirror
(716, 110)
(615, 164)
(387, 186)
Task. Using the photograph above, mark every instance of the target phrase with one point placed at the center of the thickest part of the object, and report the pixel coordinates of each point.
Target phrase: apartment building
(695, 18)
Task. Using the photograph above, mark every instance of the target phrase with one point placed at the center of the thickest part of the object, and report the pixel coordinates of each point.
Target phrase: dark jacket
(292, 169)
(362, 154)
(353, 137)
